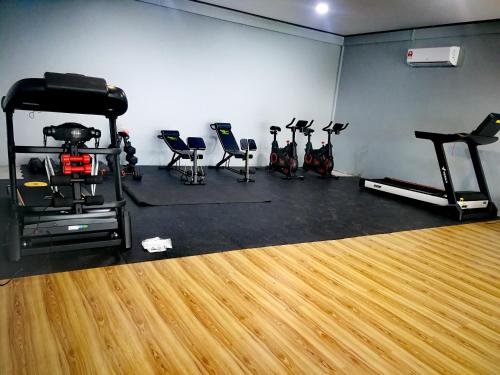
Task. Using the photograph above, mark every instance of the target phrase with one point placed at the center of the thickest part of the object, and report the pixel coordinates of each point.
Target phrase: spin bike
(321, 160)
(285, 159)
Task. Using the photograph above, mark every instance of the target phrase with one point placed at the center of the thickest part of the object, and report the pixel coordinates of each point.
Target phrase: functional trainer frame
(194, 175)
(460, 204)
(231, 149)
(41, 229)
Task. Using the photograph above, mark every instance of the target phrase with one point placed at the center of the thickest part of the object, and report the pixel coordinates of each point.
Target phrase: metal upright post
(195, 166)
(116, 158)
(247, 164)
(11, 153)
(478, 169)
(444, 170)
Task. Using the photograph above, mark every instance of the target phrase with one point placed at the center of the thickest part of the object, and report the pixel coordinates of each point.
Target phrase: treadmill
(461, 205)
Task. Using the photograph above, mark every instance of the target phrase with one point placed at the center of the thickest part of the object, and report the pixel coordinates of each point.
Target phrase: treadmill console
(489, 127)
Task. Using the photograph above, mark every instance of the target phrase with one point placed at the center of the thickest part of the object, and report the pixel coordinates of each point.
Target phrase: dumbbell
(84, 158)
(131, 159)
(129, 149)
(85, 169)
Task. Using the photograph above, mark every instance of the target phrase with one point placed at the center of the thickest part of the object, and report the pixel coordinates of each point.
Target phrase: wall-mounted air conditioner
(440, 56)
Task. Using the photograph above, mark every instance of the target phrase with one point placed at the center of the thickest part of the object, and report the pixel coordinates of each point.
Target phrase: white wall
(386, 101)
(179, 70)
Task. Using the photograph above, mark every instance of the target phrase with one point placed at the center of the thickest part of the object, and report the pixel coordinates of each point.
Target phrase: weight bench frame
(231, 149)
(185, 151)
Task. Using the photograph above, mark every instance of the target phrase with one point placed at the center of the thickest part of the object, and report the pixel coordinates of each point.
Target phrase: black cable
(12, 277)
(46, 258)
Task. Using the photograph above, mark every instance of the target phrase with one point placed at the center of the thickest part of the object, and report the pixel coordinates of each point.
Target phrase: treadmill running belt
(411, 186)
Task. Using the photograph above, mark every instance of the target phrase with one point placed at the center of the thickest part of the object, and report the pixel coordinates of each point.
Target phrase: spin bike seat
(275, 128)
(308, 131)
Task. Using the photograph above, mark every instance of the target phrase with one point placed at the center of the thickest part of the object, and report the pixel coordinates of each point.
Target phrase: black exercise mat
(165, 188)
(301, 211)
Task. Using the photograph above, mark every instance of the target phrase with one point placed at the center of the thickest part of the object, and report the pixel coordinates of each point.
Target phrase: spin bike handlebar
(326, 128)
(290, 124)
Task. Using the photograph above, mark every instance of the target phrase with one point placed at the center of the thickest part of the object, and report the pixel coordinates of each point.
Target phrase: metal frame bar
(194, 179)
(224, 159)
(444, 171)
(59, 150)
(478, 169)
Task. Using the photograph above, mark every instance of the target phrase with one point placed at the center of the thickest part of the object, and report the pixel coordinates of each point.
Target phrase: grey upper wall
(179, 70)
(385, 101)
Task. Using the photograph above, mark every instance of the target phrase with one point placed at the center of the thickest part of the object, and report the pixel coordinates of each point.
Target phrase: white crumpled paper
(157, 244)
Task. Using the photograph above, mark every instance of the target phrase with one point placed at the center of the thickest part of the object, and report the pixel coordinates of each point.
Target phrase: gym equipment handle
(85, 169)
(328, 126)
(84, 158)
(290, 124)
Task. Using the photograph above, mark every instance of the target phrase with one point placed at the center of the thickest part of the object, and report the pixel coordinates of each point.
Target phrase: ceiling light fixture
(322, 8)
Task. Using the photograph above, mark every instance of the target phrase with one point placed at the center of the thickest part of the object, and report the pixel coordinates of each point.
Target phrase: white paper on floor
(157, 244)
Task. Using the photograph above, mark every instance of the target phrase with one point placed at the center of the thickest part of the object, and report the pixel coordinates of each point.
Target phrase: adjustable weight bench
(231, 149)
(194, 174)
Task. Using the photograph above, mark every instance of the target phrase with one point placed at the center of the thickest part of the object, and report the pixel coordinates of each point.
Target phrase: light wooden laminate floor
(425, 301)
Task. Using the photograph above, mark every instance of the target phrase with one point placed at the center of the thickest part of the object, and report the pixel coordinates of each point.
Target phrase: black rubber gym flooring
(299, 211)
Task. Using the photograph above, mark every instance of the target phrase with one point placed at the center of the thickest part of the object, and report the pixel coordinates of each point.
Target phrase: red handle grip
(85, 169)
(83, 158)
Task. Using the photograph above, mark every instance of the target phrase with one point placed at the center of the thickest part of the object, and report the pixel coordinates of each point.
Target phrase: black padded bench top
(227, 139)
(174, 141)
(196, 143)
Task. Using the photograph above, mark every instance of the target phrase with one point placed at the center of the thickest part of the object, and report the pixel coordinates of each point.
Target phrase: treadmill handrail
(59, 150)
(456, 137)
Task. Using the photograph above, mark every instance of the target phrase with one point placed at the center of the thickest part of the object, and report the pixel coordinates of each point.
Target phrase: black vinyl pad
(174, 141)
(196, 143)
(226, 138)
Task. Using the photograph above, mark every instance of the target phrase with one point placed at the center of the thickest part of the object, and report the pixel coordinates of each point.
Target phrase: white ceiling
(347, 17)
